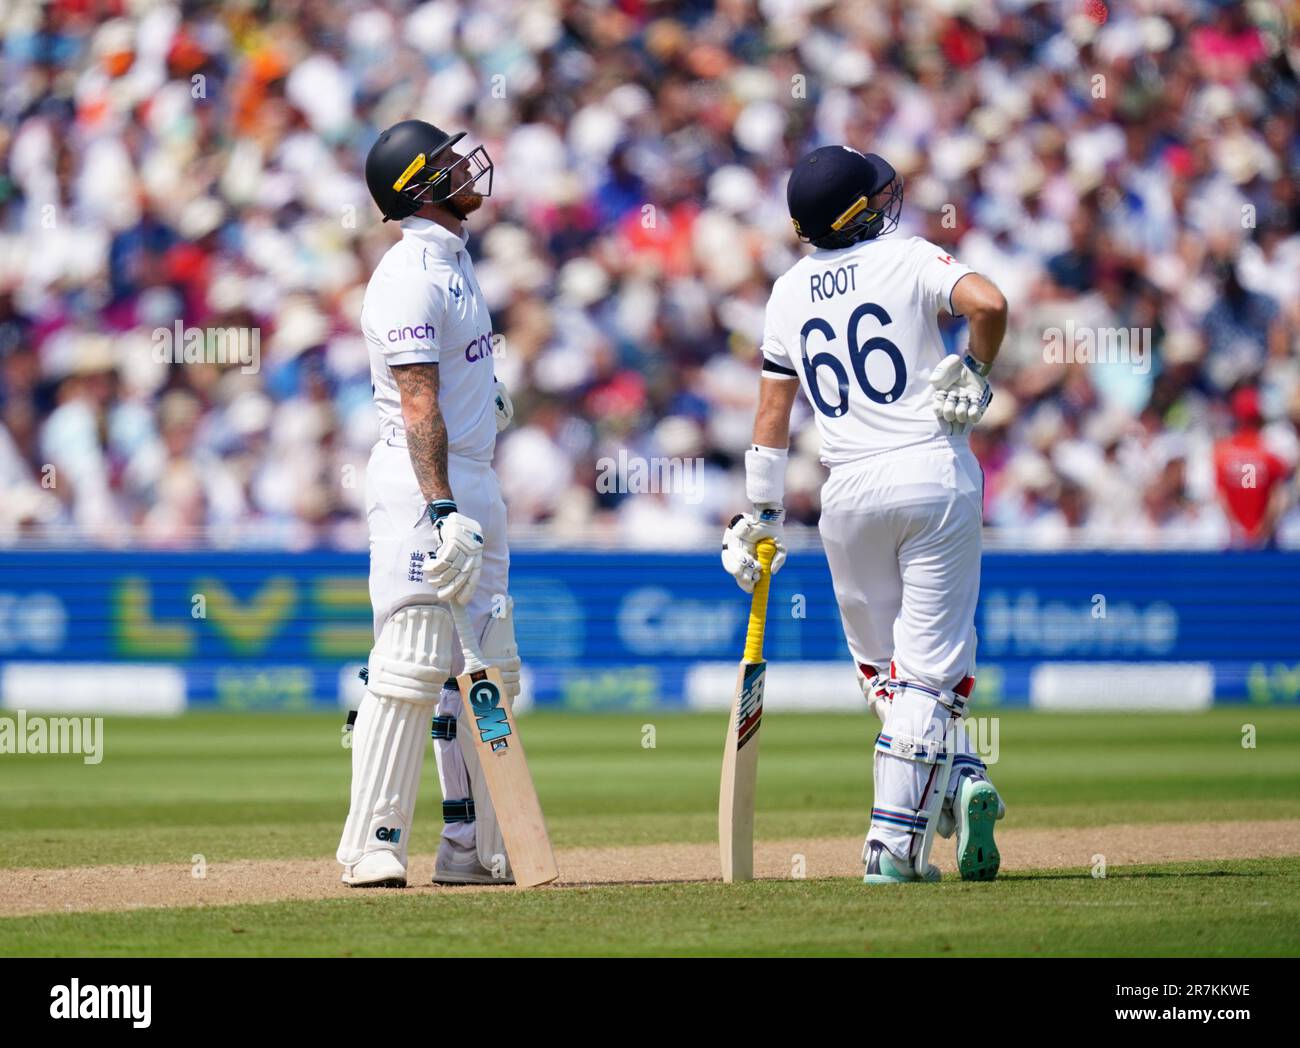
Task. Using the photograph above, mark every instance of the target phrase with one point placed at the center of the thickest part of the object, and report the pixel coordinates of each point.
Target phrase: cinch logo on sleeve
(102, 1002)
(419, 331)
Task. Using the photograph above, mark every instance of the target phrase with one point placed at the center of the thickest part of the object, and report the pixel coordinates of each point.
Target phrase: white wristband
(765, 474)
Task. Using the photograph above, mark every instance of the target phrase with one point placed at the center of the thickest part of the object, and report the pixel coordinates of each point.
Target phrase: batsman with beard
(435, 514)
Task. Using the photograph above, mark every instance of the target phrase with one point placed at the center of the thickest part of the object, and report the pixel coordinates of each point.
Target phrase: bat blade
(740, 775)
(488, 722)
(740, 757)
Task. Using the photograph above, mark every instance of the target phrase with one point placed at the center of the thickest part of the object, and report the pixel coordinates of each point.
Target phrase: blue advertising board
(628, 629)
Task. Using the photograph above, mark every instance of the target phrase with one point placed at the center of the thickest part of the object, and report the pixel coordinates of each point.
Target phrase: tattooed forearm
(426, 433)
(426, 440)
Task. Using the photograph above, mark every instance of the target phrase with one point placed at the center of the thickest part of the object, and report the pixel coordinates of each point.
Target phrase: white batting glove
(457, 562)
(505, 407)
(961, 392)
(878, 690)
(740, 544)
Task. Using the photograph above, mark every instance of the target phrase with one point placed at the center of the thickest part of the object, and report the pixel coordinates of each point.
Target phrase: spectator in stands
(1110, 166)
(1251, 479)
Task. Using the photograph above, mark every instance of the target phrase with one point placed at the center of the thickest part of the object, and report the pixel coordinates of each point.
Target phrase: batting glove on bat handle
(740, 547)
(458, 560)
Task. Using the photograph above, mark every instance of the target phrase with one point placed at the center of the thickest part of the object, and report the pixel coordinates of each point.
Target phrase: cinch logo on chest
(480, 349)
(418, 331)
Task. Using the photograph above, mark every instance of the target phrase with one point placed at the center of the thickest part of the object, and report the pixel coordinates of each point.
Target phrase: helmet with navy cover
(830, 196)
(402, 175)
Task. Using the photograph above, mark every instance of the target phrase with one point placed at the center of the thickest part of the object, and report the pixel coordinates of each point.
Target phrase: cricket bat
(740, 756)
(487, 720)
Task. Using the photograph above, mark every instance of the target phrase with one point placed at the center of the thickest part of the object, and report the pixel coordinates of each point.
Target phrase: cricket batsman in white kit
(854, 325)
(436, 518)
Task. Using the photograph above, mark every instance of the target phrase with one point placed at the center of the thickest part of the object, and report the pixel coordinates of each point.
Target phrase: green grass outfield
(235, 786)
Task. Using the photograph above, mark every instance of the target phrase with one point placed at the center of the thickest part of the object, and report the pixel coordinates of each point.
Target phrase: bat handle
(468, 645)
(766, 551)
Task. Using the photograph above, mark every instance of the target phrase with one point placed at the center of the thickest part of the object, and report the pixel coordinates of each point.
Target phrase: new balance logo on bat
(489, 715)
(751, 704)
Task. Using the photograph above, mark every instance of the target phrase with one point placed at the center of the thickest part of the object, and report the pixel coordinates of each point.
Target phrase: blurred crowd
(1112, 167)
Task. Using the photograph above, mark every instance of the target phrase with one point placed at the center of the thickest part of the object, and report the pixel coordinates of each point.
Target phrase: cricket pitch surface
(31, 891)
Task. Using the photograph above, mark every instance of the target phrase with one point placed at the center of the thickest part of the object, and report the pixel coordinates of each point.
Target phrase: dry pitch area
(80, 889)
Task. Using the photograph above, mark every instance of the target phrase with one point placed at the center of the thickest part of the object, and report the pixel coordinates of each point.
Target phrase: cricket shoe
(947, 824)
(459, 864)
(977, 807)
(883, 868)
(376, 869)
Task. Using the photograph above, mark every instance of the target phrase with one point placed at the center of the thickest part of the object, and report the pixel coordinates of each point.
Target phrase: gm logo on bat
(489, 715)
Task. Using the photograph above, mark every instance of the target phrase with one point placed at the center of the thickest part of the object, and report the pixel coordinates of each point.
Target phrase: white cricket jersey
(858, 327)
(423, 305)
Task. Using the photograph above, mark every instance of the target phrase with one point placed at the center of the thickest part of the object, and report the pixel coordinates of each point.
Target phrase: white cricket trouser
(400, 531)
(902, 537)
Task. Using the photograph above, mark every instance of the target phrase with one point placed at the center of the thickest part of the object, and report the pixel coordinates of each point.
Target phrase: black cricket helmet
(401, 175)
(829, 197)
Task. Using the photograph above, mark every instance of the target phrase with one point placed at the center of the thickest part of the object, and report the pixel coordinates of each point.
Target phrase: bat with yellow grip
(740, 755)
(765, 551)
